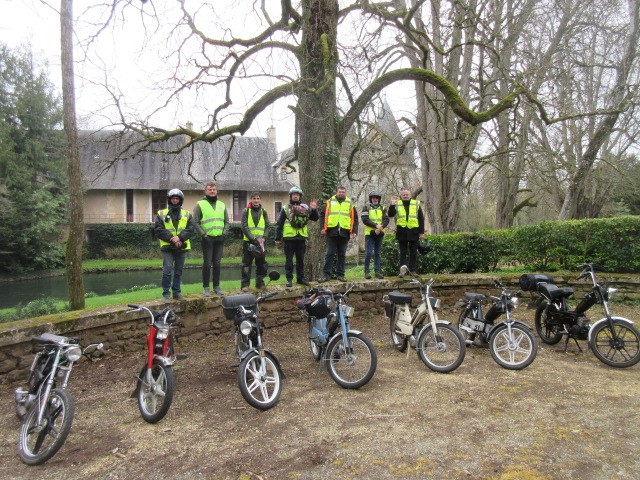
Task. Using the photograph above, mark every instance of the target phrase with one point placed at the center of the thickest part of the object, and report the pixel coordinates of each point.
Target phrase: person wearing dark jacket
(375, 220)
(254, 224)
(173, 227)
(340, 226)
(292, 231)
(409, 227)
(210, 217)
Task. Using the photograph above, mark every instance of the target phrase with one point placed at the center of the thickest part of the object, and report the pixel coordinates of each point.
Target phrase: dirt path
(566, 416)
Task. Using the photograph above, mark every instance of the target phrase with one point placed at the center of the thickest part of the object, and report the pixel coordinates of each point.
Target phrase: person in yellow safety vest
(254, 224)
(409, 227)
(210, 216)
(375, 220)
(174, 227)
(340, 226)
(292, 232)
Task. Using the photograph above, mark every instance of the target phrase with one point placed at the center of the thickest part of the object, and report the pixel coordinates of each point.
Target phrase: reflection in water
(100, 283)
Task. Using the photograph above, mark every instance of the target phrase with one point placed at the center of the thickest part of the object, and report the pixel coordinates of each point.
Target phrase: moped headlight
(245, 327)
(162, 333)
(73, 354)
(515, 301)
(610, 291)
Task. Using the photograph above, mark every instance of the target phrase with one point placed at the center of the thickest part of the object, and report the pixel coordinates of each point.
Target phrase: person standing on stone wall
(173, 227)
(210, 216)
(409, 227)
(254, 224)
(375, 220)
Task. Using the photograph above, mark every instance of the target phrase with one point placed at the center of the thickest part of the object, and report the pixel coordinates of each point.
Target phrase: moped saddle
(474, 297)
(51, 338)
(230, 303)
(553, 292)
(399, 298)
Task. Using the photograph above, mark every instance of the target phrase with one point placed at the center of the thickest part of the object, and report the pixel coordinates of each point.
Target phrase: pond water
(101, 283)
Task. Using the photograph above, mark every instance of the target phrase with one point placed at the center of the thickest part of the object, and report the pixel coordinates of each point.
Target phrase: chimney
(271, 135)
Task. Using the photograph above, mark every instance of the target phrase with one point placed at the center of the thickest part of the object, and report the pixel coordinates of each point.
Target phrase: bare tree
(75, 237)
(304, 40)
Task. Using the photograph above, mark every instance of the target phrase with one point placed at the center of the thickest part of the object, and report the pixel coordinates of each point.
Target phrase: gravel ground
(565, 416)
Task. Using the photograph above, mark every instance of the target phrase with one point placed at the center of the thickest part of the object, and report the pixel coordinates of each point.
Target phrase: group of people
(175, 227)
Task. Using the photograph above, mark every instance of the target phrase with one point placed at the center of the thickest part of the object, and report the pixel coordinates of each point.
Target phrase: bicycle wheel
(38, 444)
(398, 339)
(443, 353)
(351, 365)
(260, 384)
(155, 392)
(619, 348)
(548, 332)
(513, 351)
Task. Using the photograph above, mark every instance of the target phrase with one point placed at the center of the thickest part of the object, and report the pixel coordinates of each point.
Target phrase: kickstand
(566, 344)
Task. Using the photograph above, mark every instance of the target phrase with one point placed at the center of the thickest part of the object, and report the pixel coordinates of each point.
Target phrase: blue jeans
(172, 262)
(335, 246)
(373, 245)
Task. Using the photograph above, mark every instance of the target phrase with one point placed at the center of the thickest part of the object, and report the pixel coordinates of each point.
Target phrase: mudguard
(620, 319)
(273, 358)
(514, 322)
(428, 324)
(339, 334)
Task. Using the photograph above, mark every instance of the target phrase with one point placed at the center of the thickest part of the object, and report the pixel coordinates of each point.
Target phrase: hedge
(137, 239)
(549, 246)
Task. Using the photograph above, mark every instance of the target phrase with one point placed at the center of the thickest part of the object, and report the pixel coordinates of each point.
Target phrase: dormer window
(237, 167)
(283, 173)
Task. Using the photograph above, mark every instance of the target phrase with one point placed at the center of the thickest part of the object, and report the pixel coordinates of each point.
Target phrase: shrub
(546, 246)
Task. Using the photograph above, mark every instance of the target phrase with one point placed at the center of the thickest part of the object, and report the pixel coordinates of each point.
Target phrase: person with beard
(210, 217)
(291, 229)
(409, 227)
(340, 226)
(174, 227)
(254, 224)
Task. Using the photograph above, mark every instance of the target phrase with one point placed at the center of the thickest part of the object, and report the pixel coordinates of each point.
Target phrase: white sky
(32, 22)
(133, 67)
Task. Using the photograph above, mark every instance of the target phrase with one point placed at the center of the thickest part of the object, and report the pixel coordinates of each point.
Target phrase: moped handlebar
(136, 308)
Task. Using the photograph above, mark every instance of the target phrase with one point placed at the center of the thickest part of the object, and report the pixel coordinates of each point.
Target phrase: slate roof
(249, 167)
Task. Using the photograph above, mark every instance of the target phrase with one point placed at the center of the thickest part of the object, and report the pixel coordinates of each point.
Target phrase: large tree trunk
(316, 111)
(76, 224)
(620, 100)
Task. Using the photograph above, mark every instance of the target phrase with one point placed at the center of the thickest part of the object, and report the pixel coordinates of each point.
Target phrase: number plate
(347, 310)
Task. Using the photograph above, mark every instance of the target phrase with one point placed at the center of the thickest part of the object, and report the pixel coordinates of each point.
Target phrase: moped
(260, 375)
(349, 355)
(511, 342)
(46, 406)
(156, 382)
(615, 341)
(438, 344)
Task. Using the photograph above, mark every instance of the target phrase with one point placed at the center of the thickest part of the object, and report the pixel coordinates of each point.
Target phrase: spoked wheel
(398, 340)
(620, 348)
(316, 351)
(38, 443)
(260, 380)
(547, 331)
(442, 353)
(515, 350)
(155, 391)
(468, 336)
(351, 365)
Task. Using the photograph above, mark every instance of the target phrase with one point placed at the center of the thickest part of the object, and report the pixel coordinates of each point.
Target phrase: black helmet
(424, 246)
(293, 190)
(375, 193)
(174, 192)
(257, 249)
(319, 307)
